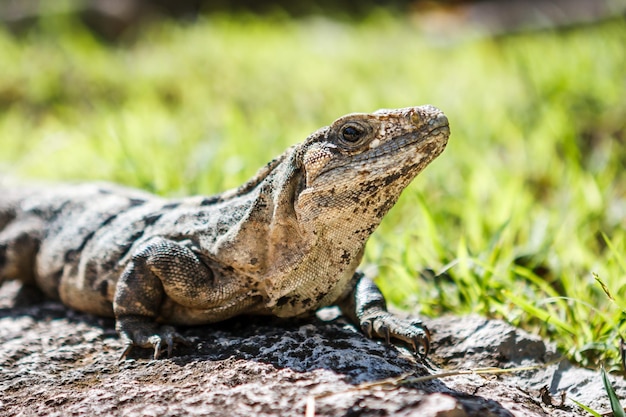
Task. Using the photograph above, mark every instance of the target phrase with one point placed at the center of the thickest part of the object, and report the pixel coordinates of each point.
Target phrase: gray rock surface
(56, 362)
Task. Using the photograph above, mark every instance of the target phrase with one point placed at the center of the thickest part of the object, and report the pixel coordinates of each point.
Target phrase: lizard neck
(296, 244)
(267, 236)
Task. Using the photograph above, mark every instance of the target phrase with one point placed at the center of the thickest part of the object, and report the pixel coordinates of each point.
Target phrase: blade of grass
(616, 407)
(618, 256)
(587, 409)
(537, 312)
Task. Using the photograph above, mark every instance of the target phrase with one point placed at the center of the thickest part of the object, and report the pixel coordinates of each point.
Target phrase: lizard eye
(352, 133)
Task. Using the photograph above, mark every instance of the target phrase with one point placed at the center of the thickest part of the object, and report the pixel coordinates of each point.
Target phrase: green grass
(526, 204)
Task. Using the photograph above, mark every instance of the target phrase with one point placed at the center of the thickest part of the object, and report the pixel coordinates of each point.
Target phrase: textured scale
(286, 243)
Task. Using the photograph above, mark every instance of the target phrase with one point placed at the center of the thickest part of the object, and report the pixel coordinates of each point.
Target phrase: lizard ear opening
(295, 180)
(300, 187)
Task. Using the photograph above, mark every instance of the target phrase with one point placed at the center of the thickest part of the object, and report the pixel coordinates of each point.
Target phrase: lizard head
(356, 168)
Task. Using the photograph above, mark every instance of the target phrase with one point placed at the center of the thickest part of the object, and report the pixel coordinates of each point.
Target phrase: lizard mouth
(405, 140)
(431, 138)
(437, 129)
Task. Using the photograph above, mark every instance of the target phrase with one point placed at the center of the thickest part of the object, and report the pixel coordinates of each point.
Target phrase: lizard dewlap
(286, 243)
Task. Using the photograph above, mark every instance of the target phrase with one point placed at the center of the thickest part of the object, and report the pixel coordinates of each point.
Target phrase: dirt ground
(57, 362)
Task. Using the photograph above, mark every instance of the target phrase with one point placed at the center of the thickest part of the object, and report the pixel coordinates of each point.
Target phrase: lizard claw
(170, 336)
(387, 326)
(423, 341)
(385, 333)
(149, 335)
(128, 346)
(157, 349)
(366, 328)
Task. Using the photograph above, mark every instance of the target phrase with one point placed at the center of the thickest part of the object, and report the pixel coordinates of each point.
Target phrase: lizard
(286, 243)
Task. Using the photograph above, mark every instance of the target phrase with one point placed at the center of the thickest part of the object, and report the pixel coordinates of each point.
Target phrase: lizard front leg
(366, 306)
(159, 268)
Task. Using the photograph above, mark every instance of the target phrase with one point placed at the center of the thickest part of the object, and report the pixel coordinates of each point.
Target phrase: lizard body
(285, 243)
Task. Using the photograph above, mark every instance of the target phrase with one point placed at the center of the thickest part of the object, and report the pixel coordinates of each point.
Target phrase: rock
(56, 362)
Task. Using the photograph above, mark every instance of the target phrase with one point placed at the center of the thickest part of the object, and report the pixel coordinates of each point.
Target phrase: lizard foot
(149, 335)
(387, 326)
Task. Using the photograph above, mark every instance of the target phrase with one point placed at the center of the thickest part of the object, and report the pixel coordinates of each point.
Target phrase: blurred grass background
(524, 211)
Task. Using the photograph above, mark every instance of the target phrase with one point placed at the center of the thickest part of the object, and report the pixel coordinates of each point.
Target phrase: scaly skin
(285, 243)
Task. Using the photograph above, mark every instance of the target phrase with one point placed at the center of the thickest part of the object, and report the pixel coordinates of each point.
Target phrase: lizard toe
(366, 328)
(137, 333)
(171, 337)
(156, 344)
(386, 326)
(128, 346)
(384, 331)
(421, 340)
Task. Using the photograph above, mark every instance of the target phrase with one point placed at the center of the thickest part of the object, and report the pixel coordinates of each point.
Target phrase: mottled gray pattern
(286, 243)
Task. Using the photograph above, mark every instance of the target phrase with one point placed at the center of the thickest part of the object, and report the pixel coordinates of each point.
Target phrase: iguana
(285, 243)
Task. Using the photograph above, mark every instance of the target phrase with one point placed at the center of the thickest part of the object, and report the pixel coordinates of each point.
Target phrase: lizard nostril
(415, 118)
(428, 114)
(439, 120)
